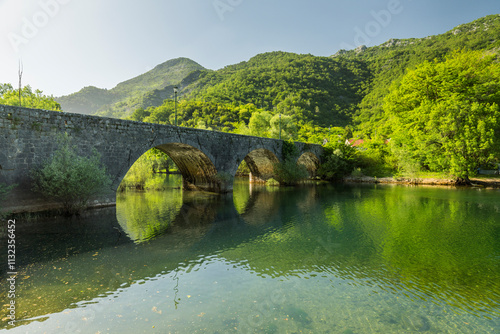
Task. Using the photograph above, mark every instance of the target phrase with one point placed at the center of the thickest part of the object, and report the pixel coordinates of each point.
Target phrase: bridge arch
(311, 162)
(197, 169)
(261, 162)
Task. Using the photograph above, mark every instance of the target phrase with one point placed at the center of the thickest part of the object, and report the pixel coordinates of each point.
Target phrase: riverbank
(53, 209)
(475, 182)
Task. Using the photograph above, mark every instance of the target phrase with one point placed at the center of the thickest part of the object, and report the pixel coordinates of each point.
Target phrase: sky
(65, 45)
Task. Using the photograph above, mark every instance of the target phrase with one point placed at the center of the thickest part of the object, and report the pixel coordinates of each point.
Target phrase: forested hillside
(145, 90)
(323, 90)
(388, 62)
(347, 88)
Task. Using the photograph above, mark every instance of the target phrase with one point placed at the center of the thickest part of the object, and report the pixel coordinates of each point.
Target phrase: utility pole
(20, 73)
(175, 104)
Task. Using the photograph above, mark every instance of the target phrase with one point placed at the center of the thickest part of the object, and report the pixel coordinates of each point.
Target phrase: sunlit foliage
(444, 116)
(29, 98)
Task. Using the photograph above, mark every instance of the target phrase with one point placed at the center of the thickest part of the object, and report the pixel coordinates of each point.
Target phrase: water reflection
(340, 258)
(430, 248)
(146, 215)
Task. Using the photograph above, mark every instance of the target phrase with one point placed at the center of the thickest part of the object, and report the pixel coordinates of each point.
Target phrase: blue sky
(68, 44)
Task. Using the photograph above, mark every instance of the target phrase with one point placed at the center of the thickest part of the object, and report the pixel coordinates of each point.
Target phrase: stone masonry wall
(28, 137)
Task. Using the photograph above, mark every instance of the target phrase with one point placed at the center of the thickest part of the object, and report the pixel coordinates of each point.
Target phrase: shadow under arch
(197, 170)
(311, 162)
(261, 162)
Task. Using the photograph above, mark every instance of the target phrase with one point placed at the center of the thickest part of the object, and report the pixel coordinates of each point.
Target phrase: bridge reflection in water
(392, 259)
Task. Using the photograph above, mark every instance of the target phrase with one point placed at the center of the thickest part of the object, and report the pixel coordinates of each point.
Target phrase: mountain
(148, 89)
(388, 62)
(347, 88)
(324, 90)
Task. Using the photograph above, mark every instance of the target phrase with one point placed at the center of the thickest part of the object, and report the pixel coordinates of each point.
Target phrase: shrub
(357, 172)
(272, 183)
(375, 158)
(71, 179)
(339, 160)
(289, 172)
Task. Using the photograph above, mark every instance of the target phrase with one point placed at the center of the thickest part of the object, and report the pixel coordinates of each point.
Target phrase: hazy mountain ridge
(148, 89)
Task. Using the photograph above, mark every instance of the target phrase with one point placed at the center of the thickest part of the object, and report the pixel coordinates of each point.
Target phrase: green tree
(29, 98)
(339, 160)
(289, 172)
(259, 124)
(445, 115)
(140, 114)
(71, 179)
(287, 125)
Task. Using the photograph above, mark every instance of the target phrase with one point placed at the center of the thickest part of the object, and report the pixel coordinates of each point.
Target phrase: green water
(314, 259)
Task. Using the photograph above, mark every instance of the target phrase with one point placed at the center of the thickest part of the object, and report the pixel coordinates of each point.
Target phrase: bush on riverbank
(289, 172)
(339, 161)
(272, 183)
(71, 179)
(374, 157)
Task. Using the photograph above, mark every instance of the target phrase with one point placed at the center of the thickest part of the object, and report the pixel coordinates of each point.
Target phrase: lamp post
(175, 104)
(280, 126)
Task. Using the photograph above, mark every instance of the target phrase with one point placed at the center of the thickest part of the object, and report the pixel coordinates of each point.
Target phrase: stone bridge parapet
(28, 137)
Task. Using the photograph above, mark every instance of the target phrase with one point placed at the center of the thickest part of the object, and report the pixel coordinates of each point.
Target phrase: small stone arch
(261, 164)
(311, 162)
(198, 171)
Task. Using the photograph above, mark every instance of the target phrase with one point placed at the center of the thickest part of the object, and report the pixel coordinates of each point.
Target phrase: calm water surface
(315, 259)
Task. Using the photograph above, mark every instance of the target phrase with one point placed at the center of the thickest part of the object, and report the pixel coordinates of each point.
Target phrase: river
(312, 259)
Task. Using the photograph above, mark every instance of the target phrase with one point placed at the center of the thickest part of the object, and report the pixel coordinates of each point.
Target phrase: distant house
(359, 142)
(354, 142)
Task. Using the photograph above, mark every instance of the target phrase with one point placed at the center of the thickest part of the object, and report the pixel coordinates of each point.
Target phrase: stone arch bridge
(29, 136)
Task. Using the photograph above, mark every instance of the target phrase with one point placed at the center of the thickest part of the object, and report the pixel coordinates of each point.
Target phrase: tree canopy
(29, 98)
(444, 116)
